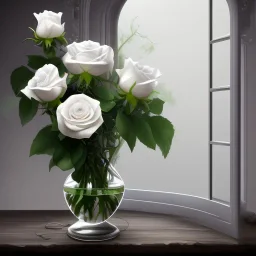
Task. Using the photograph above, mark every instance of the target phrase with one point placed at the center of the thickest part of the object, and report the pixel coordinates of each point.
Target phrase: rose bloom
(145, 78)
(79, 116)
(49, 24)
(89, 56)
(46, 85)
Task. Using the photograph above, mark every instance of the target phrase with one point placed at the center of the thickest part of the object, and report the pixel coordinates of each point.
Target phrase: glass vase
(93, 206)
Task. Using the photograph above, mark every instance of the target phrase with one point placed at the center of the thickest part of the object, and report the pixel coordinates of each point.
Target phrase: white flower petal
(49, 24)
(96, 69)
(89, 56)
(56, 30)
(90, 122)
(78, 98)
(49, 94)
(29, 93)
(37, 16)
(156, 73)
(126, 82)
(44, 87)
(143, 90)
(144, 76)
(72, 127)
(72, 66)
(119, 72)
(79, 124)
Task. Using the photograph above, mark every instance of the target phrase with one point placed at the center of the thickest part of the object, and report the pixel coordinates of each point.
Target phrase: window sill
(24, 231)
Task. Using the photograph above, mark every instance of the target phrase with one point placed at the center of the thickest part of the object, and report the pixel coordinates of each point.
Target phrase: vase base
(89, 232)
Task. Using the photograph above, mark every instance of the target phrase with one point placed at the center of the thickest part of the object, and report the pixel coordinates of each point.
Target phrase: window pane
(221, 116)
(221, 173)
(181, 54)
(221, 19)
(221, 64)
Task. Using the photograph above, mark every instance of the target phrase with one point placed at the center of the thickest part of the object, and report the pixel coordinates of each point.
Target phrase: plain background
(179, 29)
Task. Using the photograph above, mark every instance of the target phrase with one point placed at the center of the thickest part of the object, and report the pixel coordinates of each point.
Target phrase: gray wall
(25, 183)
(250, 121)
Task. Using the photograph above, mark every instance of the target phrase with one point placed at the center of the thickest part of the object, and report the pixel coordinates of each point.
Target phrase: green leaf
(20, 78)
(80, 82)
(62, 40)
(109, 121)
(27, 109)
(87, 77)
(156, 106)
(78, 156)
(114, 77)
(143, 132)
(144, 105)
(163, 132)
(124, 126)
(61, 158)
(51, 164)
(54, 104)
(35, 35)
(103, 92)
(106, 106)
(130, 91)
(37, 61)
(48, 42)
(54, 124)
(49, 52)
(131, 103)
(61, 136)
(72, 79)
(78, 174)
(44, 142)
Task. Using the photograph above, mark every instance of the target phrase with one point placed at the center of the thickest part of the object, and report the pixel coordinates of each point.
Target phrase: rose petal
(84, 133)
(53, 73)
(89, 57)
(49, 24)
(48, 95)
(80, 110)
(89, 122)
(78, 67)
(37, 16)
(157, 73)
(52, 91)
(71, 65)
(143, 90)
(56, 30)
(131, 70)
(29, 93)
(75, 48)
(72, 127)
(126, 82)
(76, 98)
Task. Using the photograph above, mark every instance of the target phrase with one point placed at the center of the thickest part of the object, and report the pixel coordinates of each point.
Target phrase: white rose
(89, 56)
(79, 116)
(144, 76)
(46, 85)
(49, 24)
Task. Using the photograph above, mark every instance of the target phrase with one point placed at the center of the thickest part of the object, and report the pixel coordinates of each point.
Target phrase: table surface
(146, 232)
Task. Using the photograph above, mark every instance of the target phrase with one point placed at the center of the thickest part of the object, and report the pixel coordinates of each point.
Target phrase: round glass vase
(94, 206)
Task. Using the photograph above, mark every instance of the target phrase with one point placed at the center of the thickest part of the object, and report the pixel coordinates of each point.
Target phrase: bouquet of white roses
(92, 107)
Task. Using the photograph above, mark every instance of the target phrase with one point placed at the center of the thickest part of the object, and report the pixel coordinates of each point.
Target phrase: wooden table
(24, 231)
